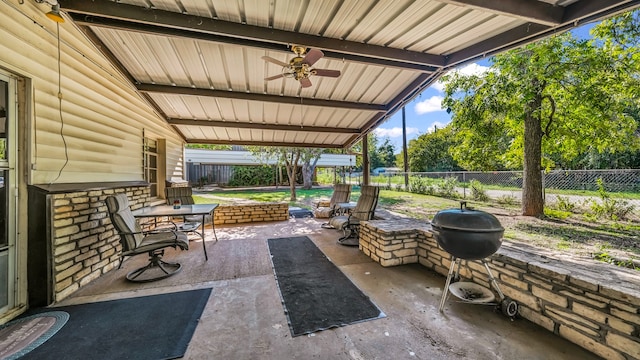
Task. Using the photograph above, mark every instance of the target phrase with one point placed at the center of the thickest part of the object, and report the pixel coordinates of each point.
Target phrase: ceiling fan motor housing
(300, 67)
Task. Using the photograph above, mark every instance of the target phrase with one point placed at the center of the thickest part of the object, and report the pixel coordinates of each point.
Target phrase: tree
(386, 153)
(372, 144)
(432, 151)
(208, 146)
(556, 97)
(309, 159)
(291, 158)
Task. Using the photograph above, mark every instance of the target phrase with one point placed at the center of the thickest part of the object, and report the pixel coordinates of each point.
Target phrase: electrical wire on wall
(64, 141)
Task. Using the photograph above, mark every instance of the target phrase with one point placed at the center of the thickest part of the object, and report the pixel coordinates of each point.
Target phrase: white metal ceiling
(199, 62)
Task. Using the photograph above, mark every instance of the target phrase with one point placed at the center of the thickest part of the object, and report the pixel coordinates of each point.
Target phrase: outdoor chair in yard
(134, 242)
(363, 211)
(341, 194)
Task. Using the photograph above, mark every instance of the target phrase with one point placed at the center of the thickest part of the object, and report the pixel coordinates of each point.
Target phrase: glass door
(8, 200)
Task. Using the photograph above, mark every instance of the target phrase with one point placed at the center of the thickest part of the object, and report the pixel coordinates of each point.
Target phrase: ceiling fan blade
(312, 56)
(305, 82)
(326, 72)
(274, 61)
(274, 77)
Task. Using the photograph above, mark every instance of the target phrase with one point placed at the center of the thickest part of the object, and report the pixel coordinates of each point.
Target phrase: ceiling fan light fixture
(54, 14)
(301, 66)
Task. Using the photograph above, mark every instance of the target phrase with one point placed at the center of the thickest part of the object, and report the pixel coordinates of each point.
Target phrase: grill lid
(465, 219)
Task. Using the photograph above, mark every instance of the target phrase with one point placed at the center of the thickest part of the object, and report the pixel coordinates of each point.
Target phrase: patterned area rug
(20, 336)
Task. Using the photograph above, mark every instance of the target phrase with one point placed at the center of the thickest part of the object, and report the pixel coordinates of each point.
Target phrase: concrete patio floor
(244, 317)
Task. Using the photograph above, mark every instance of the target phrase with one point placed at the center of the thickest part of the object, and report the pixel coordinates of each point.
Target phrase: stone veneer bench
(592, 304)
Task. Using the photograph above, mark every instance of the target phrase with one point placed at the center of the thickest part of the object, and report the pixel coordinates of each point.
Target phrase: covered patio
(103, 100)
(244, 317)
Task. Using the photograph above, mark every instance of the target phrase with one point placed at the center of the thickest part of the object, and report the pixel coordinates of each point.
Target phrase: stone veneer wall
(245, 213)
(591, 304)
(85, 245)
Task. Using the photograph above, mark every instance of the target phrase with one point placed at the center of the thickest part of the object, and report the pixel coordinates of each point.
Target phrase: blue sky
(424, 112)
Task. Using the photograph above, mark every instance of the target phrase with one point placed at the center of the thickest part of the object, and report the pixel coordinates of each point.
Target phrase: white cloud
(431, 104)
(435, 125)
(471, 69)
(394, 132)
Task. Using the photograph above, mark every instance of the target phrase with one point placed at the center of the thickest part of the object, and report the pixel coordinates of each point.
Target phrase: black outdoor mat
(316, 295)
(150, 327)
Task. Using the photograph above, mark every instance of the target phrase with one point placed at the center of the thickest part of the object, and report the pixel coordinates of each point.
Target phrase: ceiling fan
(300, 67)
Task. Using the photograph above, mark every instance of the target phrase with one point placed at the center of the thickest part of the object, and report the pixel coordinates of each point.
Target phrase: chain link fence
(509, 183)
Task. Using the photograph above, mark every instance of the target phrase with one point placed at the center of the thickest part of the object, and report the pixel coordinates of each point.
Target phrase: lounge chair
(363, 211)
(341, 194)
(134, 242)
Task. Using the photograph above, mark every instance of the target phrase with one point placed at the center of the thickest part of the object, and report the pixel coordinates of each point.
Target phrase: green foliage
(564, 203)
(430, 151)
(563, 244)
(562, 83)
(421, 185)
(252, 176)
(507, 200)
(447, 188)
(604, 255)
(386, 154)
(326, 177)
(208, 146)
(380, 155)
(614, 209)
(477, 190)
(556, 214)
(549, 101)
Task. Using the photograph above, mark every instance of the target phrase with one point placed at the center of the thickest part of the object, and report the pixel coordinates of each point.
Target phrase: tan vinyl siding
(104, 119)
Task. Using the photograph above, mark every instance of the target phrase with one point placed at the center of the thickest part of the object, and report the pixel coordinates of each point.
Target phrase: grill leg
(493, 280)
(445, 291)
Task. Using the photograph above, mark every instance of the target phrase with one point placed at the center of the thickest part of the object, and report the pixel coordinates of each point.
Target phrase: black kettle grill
(469, 234)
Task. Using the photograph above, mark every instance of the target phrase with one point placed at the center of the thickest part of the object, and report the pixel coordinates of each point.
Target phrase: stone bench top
(399, 225)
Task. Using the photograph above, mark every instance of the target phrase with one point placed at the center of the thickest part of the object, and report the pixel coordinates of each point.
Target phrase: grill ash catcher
(469, 234)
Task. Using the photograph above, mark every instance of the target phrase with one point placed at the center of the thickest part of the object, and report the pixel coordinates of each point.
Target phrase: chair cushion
(322, 212)
(339, 222)
(160, 240)
(124, 221)
(341, 194)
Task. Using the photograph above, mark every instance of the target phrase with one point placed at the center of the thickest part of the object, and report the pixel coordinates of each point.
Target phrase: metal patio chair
(363, 211)
(183, 195)
(341, 194)
(135, 242)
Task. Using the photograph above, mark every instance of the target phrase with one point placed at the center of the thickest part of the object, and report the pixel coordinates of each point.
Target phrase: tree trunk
(308, 170)
(307, 176)
(532, 202)
(291, 172)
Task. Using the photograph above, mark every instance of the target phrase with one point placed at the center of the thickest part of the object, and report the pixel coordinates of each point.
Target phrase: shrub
(507, 200)
(447, 188)
(417, 185)
(251, 176)
(564, 203)
(477, 190)
(614, 209)
(556, 214)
